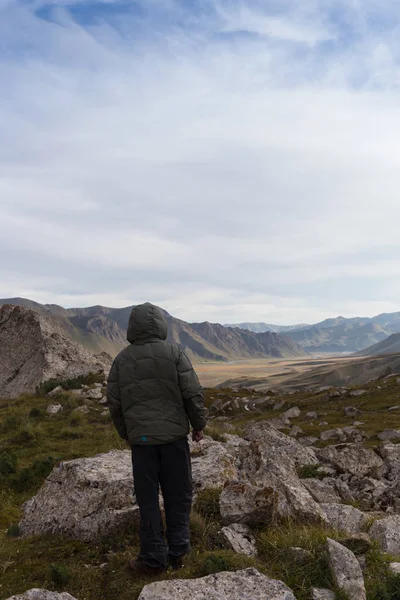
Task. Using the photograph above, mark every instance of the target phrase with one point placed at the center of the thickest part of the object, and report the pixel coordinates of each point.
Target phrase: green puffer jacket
(153, 391)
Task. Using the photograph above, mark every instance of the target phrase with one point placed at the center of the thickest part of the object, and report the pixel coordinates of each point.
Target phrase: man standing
(153, 393)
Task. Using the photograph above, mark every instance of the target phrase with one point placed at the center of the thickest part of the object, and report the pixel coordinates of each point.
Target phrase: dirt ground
(277, 371)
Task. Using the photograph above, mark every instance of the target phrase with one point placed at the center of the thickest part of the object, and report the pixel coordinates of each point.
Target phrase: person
(153, 393)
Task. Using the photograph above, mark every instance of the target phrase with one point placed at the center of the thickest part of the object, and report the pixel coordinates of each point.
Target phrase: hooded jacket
(152, 391)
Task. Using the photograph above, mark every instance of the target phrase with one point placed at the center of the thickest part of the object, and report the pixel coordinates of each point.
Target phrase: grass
(32, 442)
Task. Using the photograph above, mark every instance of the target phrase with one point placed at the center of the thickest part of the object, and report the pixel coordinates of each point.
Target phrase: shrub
(74, 383)
(59, 575)
(37, 413)
(207, 503)
(69, 434)
(8, 463)
(223, 560)
(34, 475)
(311, 471)
(14, 531)
(25, 436)
(11, 423)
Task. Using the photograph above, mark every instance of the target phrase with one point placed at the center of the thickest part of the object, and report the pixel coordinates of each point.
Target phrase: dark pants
(165, 466)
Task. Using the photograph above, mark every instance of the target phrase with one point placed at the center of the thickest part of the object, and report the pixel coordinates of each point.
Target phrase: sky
(227, 160)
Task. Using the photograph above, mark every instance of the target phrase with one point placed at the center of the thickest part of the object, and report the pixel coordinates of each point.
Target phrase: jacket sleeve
(192, 393)
(114, 401)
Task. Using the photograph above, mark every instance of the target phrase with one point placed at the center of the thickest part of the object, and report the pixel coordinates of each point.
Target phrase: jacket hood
(146, 323)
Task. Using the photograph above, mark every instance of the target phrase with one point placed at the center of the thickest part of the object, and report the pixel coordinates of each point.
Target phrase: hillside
(103, 329)
(389, 346)
(262, 327)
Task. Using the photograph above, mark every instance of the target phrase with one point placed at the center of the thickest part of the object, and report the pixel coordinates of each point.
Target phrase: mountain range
(103, 329)
(340, 335)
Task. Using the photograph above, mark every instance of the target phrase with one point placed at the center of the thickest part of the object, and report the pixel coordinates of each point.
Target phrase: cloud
(166, 156)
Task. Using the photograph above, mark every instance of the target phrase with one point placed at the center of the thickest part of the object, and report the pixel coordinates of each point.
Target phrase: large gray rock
(346, 570)
(85, 499)
(280, 445)
(391, 455)
(387, 532)
(248, 584)
(38, 594)
(241, 502)
(34, 348)
(322, 491)
(351, 458)
(344, 517)
(95, 394)
(240, 539)
(322, 594)
(389, 434)
(215, 463)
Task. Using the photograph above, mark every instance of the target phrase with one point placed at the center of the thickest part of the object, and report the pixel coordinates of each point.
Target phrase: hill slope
(262, 327)
(99, 328)
(389, 346)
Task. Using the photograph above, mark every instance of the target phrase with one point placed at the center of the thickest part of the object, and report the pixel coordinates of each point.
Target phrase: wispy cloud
(234, 160)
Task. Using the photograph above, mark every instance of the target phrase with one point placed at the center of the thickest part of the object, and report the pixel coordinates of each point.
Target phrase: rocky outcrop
(34, 348)
(344, 517)
(38, 594)
(350, 458)
(86, 499)
(387, 532)
(346, 571)
(241, 502)
(240, 539)
(248, 583)
(215, 463)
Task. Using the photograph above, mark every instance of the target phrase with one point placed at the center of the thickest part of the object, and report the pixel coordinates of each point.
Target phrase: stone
(56, 392)
(322, 491)
(391, 455)
(346, 571)
(239, 538)
(39, 594)
(359, 543)
(350, 458)
(95, 394)
(279, 405)
(312, 415)
(103, 400)
(357, 393)
(239, 585)
(397, 407)
(215, 463)
(241, 502)
(344, 517)
(292, 413)
(295, 431)
(35, 348)
(308, 440)
(351, 411)
(300, 556)
(84, 499)
(332, 434)
(279, 446)
(53, 409)
(394, 568)
(81, 409)
(389, 434)
(387, 532)
(322, 594)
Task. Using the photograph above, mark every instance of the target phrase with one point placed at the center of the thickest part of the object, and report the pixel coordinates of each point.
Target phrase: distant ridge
(103, 329)
(389, 346)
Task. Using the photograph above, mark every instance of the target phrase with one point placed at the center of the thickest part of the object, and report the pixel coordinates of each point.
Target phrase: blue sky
(227, 160)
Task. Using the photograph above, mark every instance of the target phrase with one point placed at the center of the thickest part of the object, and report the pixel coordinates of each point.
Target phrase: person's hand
(197, 436)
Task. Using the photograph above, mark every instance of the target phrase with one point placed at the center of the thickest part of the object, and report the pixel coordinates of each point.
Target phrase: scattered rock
(344, 517)
(312, 415)
(215, 463)
(389, 434)
(38, 594)
(387, 532)
(239, 538)
(56, 392)
(242, 502)
(95, 394)
(295, 431)
(332, 434)
(394, 568)
(53, 409)
(322, 491)
(35, 348)
(346, 571)
(308, 440)
(103, 401)
(84, 499)
(357, 393)
(248, 583)
(359, 543)
(81, 409)
(279, 405)
(300, 556)
(350, 458)
(351, 411)
(322, 594)
(292, 413)
(394, 407)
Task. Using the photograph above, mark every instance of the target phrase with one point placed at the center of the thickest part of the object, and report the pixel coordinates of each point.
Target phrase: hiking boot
(140, 568)
(176, 562)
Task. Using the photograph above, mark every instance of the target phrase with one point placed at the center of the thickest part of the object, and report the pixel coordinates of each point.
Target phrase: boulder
(248, 583)
(391, 455)
(332, 434)
(359, 543)
(350, 458)
(300, 556)
(322, 594)
(95, 394)
(394, 568)
(240, 539)
(57, 391)
(53, 409)
(351, 411)
(241, 502)
(344, 517)
(84, 410)
(39, 594)
(346, 571)
(291, 413)
(295, 431)
(387, 532)
(389, 434)
(312, 415)
(279, 445)
(215, 463)
(357, 393)
(84, 499)
(322, 491)
(35, 348)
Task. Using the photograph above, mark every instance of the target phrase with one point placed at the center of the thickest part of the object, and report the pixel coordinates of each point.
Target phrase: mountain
(103, 329)
(262, 327)
(390, 345)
